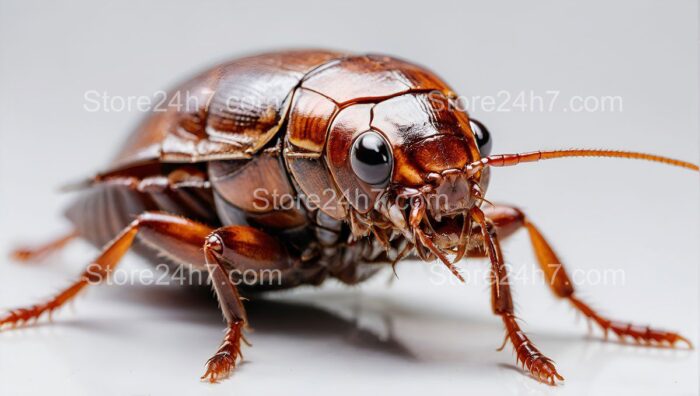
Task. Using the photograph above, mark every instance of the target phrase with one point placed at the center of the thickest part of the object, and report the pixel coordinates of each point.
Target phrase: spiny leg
(242, 248)
(539, 366)
(182, 240)
(224, 360)
(175, 233)
(26, 254)
(509, 219)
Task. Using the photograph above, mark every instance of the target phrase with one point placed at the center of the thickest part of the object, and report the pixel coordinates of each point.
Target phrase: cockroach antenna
(502, 160)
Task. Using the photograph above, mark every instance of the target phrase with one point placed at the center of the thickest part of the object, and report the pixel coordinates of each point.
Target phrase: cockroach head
(405, 173)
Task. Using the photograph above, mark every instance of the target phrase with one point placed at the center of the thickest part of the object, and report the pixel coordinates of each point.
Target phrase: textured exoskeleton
(309, 165)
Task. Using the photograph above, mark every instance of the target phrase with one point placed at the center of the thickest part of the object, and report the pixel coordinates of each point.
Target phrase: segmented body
(248, 143)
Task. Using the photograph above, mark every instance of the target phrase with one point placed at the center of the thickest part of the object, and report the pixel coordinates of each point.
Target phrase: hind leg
(182, 240)
(26, 254)
(175, 235)
(509, 219)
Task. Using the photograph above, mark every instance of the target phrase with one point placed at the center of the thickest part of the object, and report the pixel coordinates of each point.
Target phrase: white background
(417, 336)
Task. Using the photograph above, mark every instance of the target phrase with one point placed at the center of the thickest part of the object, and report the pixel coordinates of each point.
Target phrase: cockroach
(373, 153)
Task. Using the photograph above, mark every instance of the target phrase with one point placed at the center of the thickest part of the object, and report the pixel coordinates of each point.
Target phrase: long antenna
(499, 160)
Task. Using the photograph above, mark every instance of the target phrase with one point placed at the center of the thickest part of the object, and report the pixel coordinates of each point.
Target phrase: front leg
(539, 366)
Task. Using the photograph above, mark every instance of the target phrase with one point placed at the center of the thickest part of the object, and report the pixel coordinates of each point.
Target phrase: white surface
(641, 219)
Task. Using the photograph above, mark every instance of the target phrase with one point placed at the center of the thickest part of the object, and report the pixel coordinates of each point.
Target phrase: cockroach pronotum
(375, 158)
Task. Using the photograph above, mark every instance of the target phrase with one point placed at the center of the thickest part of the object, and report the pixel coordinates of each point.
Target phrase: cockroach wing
(227, 112)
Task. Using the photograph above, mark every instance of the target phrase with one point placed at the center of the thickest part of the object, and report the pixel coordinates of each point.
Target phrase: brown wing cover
(227, 112)
(231, 111)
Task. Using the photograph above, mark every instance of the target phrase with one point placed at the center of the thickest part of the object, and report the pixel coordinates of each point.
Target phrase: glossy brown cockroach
(374, 156)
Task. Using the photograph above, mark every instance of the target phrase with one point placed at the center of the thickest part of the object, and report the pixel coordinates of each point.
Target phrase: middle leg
(241, 248)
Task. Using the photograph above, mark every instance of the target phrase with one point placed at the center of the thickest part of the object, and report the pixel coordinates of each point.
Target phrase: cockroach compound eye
(314, 165)
(371, 159)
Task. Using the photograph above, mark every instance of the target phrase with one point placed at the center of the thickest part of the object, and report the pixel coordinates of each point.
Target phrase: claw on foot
(540, 367)
(221, 365)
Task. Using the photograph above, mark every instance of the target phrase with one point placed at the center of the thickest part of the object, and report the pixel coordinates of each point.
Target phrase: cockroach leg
(181, 240)
(27, 254)
(240, 248)
(540, 367)
(509, 219)
(220, 365)
(223, 362)
(172, 234)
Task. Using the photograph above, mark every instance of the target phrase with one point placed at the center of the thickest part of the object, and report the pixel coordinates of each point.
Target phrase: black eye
(370, 159)
(483, 137)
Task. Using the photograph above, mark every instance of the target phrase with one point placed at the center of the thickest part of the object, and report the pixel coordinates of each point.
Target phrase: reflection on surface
(380, 323)
(403, 332)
